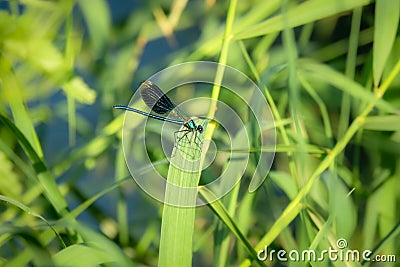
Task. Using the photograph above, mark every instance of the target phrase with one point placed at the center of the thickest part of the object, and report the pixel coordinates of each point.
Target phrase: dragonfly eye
(200, 128)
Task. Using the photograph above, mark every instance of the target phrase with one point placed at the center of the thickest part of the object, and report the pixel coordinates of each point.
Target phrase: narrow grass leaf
(222, 239)
(378, 204)
(393, 233)
(288, 215)
(301, 14)
(341, 206)
(71, 120)
(324, 73)
(145, 242)
(218, 208)
(386, 24)
(322, 107)
(51, 189)
(388, 200)
(285, 182)
(177, 226)
(100, 248)
(337, 49)
(15, 97)
(36, 252)
(31, 212)
(85, 205)
(99, 29)
(382, 123)
(245, 219)
(122, 206)
(72, 256)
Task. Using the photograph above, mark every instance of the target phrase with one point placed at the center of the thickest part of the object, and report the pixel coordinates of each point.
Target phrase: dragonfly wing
(155, 98)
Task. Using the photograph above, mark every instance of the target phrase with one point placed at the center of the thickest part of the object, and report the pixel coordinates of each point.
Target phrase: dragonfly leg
(199, 142)
(189, 139)
(177, 138)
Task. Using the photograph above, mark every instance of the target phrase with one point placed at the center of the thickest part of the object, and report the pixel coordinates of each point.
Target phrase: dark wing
(155, 99)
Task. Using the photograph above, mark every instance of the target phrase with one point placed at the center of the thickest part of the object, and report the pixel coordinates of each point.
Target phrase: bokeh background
(329, 69)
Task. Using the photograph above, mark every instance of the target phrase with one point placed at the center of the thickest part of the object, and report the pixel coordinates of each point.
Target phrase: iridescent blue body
(158, 102)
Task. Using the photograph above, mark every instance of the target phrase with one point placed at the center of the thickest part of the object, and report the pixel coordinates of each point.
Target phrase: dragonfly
(160, 103)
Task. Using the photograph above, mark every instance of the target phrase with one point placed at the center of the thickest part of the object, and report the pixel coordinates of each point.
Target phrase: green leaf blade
(382, 123)
(386, 24)
(304, 13)
(176, 242)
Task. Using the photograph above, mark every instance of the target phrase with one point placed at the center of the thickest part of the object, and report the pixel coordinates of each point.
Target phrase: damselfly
(158, 102)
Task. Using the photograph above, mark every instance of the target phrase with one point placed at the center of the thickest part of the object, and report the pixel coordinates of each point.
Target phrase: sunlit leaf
(306, 12)
(386, 24)
(80, 91)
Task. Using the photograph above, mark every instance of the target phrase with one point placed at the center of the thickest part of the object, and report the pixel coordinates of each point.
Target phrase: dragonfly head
(199, 128)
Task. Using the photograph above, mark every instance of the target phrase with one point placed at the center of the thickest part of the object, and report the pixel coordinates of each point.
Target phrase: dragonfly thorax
(192, 126)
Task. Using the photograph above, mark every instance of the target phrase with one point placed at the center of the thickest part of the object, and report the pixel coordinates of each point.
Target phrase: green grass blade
(291, 55)
(72, 256)
(322, 107)
(37, 252)
(71, 120)
(14, 95)
(351, 62)
(285, 182)
(313, 70)
(382, 123)
(222, 60)
(100, 249)
(85, 205)
(33, 213)
(122, 205)
(219, 210)
(245, 219)
(51, 189)
(304, 13)
(176, 241)
(99, 29)
(386, 24)
(77, 91)
(337, 49)
(390, 236)
(221, 237)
